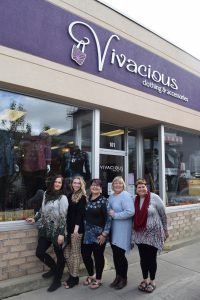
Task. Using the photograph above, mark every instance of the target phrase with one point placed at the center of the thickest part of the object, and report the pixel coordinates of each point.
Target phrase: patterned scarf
(140, 218)
(54, 195)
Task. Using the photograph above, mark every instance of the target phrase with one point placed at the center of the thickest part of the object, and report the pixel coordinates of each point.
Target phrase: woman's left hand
(60, 239)
(166, 236)
(111, 212)
(101, 239)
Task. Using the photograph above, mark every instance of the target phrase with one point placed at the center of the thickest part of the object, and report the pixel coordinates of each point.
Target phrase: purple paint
(41, 28)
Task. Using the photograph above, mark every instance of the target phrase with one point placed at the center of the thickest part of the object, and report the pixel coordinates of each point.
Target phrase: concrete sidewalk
(178, 277)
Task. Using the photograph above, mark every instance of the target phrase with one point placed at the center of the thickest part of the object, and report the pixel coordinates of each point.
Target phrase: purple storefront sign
(45, 30)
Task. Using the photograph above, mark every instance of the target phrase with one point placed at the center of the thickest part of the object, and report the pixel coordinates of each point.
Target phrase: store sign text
(154, 79)
(111, 168)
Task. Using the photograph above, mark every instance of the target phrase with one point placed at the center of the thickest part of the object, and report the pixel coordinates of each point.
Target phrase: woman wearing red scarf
(149, 232)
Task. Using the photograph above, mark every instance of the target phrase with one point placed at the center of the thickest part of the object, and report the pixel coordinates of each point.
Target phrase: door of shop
(112, 164)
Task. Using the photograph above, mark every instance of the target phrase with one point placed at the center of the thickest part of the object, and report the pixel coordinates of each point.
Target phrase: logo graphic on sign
(78, 51)
(78, 54)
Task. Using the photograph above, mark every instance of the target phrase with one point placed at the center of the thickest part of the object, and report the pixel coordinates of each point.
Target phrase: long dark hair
(51, 194)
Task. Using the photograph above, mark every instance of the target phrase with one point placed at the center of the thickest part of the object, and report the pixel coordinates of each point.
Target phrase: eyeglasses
(95, 185)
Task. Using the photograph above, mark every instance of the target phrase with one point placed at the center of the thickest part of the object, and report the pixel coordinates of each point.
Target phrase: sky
(177, 21)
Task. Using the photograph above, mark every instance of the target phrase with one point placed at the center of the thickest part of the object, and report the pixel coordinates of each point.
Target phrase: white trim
(15, 225)
(112, 152)
(179, 208)
(95, 143)
(161, 147)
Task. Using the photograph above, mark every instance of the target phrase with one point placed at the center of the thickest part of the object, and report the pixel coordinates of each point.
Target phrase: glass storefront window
(182, 167)
(151, 159)
(39, 139)
(111, 137)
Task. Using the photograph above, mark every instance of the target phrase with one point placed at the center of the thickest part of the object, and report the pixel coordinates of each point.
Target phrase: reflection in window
(39, 139)
(151, 159)
(111, 137)
(182, 167)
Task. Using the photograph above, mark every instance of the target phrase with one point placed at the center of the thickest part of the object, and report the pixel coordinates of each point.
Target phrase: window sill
(15, 225)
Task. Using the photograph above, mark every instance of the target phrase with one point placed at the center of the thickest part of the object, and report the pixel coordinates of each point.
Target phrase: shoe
(121, 284)
(95, 284)
(115, 281)
(67, 281)
(142, 286)
(89, 280)
(72, 282)
(48, 274)
(54, 286)
(150, 288)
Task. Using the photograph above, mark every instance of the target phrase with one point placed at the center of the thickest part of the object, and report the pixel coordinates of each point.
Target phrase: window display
(182, 167)
(151, 159)
(36, 144)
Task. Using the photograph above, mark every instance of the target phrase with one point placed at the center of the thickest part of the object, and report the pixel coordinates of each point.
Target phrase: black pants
(43, 245)
(98, 252)
(148, 260)
(120, 261)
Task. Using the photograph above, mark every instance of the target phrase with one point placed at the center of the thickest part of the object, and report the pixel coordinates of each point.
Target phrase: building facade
(86, 91)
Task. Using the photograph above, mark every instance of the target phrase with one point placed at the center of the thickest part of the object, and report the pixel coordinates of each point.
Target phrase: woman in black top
(97, 227)
(75, 228)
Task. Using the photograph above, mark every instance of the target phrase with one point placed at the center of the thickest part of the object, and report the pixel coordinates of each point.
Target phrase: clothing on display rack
(76, 162)
(172, 168)
(194, 164)
(6, 165)
(35, 161)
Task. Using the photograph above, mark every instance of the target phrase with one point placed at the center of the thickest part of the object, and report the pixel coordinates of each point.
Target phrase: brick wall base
(17, 248)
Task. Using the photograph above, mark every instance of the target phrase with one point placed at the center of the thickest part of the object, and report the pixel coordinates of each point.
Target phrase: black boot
(72, 282)
(115, 281)
(121, 284)
(54, 286)
(48, 274)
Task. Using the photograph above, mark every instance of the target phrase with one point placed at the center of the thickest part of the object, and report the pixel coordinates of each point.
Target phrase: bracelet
(104, 235)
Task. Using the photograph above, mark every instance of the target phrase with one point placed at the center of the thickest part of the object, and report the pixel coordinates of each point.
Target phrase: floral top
(97, 219)
(52, 218)
(155, 232)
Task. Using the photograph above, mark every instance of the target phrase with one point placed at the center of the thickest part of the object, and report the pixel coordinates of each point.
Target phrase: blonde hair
(77, 196)
(119, 178)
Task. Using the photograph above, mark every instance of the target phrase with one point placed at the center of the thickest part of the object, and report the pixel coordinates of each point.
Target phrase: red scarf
(140, 217)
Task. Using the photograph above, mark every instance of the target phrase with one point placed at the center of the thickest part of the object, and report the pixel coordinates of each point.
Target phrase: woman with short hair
(97, 228)
(121, 211)
(149, 232)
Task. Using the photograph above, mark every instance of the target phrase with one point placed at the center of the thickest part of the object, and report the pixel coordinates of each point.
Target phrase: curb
(16, 286)
(173, 245)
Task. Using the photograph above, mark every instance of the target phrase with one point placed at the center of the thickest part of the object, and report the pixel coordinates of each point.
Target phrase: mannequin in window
(76, 163)
(6, 165)
(36, 159)
(172, 162)
(194, 164)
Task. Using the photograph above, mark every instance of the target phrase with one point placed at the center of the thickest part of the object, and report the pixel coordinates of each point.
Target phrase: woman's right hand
(30, 220)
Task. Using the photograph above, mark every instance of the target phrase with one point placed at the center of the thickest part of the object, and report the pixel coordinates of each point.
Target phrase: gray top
(121, 226)
(52, 218)
(156, 230)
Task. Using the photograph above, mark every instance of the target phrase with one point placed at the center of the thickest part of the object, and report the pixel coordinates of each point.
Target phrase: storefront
(86, 91)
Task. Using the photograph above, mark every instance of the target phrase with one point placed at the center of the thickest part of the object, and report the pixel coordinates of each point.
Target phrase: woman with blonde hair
(122, 211)
(75, 229)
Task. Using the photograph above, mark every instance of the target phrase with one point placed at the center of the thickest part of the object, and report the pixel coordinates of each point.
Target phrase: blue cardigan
(121, 226)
